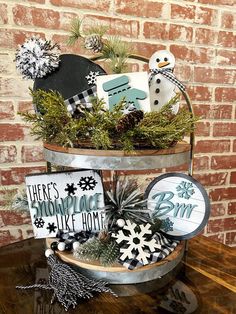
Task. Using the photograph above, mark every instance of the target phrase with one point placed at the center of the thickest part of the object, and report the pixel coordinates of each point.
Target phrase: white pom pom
(48, 252)
(76, 245)
(61, 246)
(120, 222)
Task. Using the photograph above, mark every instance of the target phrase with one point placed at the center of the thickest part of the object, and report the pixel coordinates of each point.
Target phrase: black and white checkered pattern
(167, 247)
(167, 73)
(81, 98)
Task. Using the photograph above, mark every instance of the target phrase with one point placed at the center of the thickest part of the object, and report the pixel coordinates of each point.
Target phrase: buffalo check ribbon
(167, 73)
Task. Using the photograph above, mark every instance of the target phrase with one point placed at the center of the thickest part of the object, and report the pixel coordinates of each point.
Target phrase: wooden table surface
(204, 282)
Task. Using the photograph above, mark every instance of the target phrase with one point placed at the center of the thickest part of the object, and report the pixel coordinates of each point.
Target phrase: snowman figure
(162, 82)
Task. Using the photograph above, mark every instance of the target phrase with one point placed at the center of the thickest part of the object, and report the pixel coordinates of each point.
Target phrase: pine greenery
(114, 49)
(97, 128)
(94, 249)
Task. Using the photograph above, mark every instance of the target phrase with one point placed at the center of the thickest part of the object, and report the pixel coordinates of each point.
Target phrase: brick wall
(201, 35)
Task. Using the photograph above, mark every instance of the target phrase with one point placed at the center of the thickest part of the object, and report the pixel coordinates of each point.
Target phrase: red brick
(200, 163)
(25, 106)
(219, 194)
(3, 198)
(192, 54)
(227, 39)
(116, 26)
(11, 38)
(218, 210)
(223, 162)
(182, 13)
(209, 146)
(146, 49)
(12, 132)
(228, 19)
(218, 2)
(232, 208)
(234, 146)
(51, 19)
(200, 93)
(77, 48)
(6, 65)
(156, 30)
(216, 237)
(233, 176)
(226, 57)
(139, 8)
(7, 236)
(224, 94)
(23, 15)
(180, 33)
(7, 153)
(230, 238)
(10, 217)
(202, 129)
(6, 110)
(213, 111)
(220, 225)
(98, 5)
(3, 14)
(17, 175)
(37, 1)
(209, 75)
(206, 16)
(205, 36)
(183, 73)
(11, 87)
(211, 179)
(224, 129)
(32, 153)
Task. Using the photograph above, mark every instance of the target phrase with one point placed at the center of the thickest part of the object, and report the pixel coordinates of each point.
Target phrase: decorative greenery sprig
(112, 48)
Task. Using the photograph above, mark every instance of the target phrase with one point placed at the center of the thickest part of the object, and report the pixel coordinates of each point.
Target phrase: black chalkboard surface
(69, 78)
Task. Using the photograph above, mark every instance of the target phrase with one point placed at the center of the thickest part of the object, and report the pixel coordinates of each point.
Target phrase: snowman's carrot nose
(163, 64)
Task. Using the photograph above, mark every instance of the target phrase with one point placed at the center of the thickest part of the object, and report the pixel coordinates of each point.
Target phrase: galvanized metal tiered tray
(118, 274)
(116, 159)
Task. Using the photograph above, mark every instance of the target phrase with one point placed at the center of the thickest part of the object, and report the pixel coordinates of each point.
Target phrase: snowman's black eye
(157, 60)
(165, 59)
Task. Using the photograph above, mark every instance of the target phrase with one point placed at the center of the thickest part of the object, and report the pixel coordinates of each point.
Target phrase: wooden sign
(69, 201)
(132, 87)
(180, 202)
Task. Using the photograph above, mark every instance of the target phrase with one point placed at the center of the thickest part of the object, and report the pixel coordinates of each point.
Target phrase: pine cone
(93, 42)
(104, 236)
(129, 121)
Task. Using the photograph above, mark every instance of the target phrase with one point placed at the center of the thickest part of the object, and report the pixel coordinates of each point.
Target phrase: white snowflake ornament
(136, 241)
(91, 77)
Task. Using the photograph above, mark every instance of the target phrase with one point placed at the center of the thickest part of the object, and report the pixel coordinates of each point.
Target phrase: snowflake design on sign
(39, 222)
(136, 241)
(167, 225)
(91, 77)
(51, 227)
(185, 190)
(87, 183)
(70, 189)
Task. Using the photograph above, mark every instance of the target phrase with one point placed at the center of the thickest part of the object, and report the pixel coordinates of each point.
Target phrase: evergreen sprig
(94, 249)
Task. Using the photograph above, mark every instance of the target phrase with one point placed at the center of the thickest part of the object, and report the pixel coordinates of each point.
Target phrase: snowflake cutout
(185, 190)
(70, 189)
(87, 183)
(91, 77)
(39, 222)
(136, 242)
(51, 227)
(166, 225)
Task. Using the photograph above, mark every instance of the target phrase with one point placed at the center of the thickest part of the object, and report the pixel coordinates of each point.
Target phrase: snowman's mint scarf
(167, 73)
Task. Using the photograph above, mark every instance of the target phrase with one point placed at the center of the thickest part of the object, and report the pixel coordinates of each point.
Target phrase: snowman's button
(156, 102)
(158, 81)
(157, 90)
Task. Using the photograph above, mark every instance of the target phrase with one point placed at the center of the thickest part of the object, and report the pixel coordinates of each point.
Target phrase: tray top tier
(117, 159)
